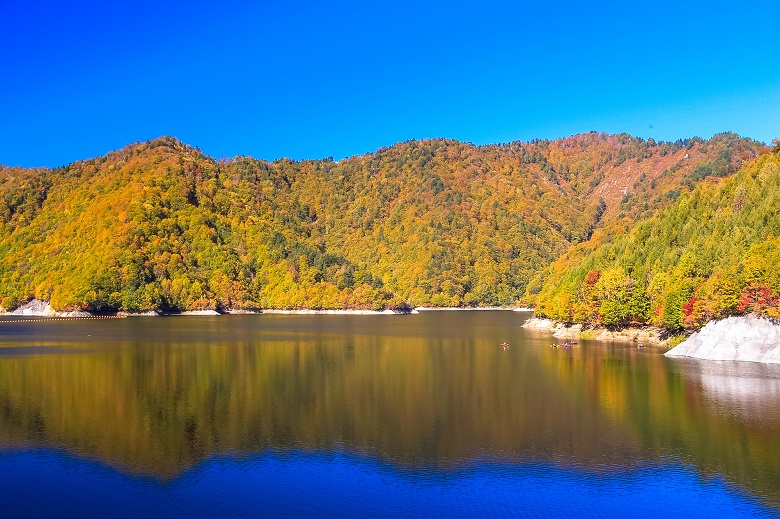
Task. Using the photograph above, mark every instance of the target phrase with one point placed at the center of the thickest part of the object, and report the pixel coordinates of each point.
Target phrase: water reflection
(747, 391)
(432, 392)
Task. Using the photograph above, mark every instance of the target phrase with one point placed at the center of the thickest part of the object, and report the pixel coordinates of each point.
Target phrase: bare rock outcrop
(36, 307)
(747, 338)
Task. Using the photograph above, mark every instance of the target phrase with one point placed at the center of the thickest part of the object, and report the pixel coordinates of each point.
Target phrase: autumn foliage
(160, 225)
(715, 252)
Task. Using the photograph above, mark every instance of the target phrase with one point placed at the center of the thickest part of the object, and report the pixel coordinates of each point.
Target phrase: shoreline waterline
(42, 309)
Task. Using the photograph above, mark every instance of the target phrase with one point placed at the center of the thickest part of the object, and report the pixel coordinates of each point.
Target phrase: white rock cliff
(747, 338)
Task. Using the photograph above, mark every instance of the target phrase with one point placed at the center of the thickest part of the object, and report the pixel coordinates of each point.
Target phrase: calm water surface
(419, 415)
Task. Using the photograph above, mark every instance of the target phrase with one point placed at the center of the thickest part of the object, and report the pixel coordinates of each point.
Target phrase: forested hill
(159, 225)
(714, 253)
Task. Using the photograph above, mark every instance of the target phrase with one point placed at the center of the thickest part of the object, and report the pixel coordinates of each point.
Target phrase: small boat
(504, 345)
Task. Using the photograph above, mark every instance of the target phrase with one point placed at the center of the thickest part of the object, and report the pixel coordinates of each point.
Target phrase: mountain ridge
(160, 225)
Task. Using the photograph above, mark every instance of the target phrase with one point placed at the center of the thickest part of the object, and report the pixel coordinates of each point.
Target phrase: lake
(373, 415)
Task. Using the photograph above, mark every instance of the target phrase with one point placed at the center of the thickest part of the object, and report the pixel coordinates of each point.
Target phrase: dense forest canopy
(715, 252)
(159, 225)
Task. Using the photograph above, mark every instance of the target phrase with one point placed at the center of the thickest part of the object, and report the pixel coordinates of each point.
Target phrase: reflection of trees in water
(157, 409)
(669, 407)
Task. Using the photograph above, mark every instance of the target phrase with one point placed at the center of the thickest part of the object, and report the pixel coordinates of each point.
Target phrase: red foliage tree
(757, 298)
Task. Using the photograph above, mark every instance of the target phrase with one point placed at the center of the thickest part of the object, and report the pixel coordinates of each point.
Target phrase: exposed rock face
(536, 323)
(200, 312)
(559, 330)
(74, 313)
(647, 334)
(35, 307)
(39, 308)
(749, 338)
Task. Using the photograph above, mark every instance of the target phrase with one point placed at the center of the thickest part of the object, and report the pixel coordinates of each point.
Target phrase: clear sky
(298, 79)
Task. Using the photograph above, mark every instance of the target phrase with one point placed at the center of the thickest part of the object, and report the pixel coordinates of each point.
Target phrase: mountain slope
(159, 225)
(714, 253)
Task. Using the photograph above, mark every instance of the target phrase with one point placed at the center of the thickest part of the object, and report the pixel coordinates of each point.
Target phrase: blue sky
(297, 79)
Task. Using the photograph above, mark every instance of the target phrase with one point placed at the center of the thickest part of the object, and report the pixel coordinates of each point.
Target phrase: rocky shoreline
(748, 338)
(644, 335)
(38, 308)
